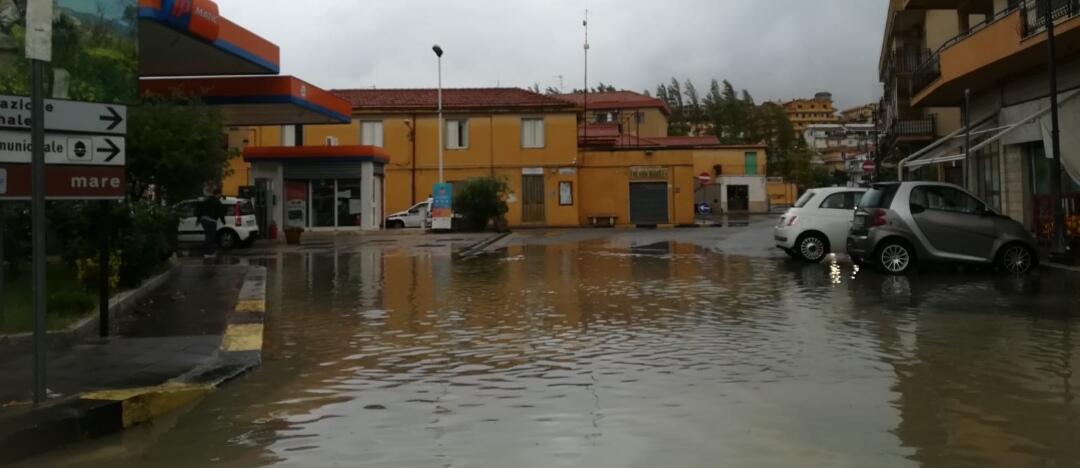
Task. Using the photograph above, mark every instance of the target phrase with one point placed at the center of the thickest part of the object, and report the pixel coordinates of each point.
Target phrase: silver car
(901, 223)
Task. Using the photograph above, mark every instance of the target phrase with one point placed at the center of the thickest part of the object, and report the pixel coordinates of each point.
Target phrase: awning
(356, 153)
(257, 100)
(189, 37)
(984, 133)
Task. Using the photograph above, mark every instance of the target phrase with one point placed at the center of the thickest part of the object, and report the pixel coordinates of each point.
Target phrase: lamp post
(1057, 246)
(438, 53)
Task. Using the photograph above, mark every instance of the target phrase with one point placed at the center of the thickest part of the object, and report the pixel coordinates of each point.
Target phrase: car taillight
(879, 218)
(791, 222)
(236, 212)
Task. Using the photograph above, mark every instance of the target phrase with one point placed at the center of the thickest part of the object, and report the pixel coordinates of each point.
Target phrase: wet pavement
(172, 331)
(682, 347)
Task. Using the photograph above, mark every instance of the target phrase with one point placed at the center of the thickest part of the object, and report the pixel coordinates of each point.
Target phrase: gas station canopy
(257, 100)
(190, 38)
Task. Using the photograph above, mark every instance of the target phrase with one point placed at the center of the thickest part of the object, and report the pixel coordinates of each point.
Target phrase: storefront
(329, 187)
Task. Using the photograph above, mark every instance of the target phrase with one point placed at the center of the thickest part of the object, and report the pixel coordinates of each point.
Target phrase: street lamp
(438, 53)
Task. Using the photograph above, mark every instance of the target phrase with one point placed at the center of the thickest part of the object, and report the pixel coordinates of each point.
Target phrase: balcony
(1010, 42)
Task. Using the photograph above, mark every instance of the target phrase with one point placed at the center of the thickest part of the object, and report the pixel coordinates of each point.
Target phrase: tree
(481, 200)
(176, 147)
(695, 115)
(535, 88)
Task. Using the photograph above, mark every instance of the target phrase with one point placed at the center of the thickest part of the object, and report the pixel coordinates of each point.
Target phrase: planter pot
(292, 236)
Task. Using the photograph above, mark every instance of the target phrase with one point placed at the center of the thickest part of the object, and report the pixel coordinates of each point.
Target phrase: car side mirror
(917, 208)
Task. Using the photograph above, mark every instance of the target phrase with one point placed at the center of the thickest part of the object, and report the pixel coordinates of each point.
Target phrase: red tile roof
(611, 100)
(453, 99)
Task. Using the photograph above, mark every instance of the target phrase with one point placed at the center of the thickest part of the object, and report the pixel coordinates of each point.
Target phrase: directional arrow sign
(65, 116)
(67, 149)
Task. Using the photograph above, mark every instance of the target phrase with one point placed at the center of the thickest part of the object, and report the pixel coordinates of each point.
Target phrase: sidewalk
(180, 337)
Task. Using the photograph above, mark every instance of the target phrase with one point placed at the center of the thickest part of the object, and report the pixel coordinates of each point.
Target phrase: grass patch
(68, 301)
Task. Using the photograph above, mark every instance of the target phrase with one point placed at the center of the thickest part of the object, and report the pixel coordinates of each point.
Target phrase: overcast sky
(776, 49)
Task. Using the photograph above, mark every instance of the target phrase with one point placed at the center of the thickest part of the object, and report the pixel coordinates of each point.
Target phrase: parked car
(240, 228)
(818, 223)
(899, 224)
(419, 216)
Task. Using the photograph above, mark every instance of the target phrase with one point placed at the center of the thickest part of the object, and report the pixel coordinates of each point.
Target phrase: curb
(1058, 266)
(99, 413)
(119, 304)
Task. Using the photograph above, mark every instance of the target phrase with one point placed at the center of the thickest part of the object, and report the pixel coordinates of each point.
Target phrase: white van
(419, 216)
(240, 228)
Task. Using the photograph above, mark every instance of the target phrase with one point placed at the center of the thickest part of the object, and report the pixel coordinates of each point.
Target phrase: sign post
(39, 14)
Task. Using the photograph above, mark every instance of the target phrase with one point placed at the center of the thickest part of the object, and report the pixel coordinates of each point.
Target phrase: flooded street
(631, 348)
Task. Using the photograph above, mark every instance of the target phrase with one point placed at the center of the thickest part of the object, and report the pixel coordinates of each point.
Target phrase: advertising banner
(442, 196)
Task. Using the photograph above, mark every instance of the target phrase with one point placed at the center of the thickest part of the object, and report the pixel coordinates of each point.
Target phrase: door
(738, 197)
(416, 215)
(532, 199)
(953, 221)
(262, 206)
(648, 203)
(836, 212)
(709, 194)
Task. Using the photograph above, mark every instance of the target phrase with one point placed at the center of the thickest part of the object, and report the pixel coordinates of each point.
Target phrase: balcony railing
(924, 127)
(927, 72)
(930, 69)
(1035, 13)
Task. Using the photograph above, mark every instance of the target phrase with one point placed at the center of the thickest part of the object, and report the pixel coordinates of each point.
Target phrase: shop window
(532, 133)
(371, 133)
(751, 163)
(457, 134)
(1040, 172)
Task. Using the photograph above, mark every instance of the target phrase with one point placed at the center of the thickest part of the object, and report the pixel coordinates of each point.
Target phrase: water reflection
(659, 354)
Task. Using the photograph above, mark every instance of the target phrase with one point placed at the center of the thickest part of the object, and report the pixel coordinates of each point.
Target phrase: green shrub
(70, 303)
(480, 201)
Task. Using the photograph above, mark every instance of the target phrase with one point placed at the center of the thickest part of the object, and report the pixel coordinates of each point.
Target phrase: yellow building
(866, 113)
(806, 112)
(557, 175)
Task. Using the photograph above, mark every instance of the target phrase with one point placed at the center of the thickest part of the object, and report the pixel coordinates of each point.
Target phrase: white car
(240, 228)
(419, 216)
(818, 223)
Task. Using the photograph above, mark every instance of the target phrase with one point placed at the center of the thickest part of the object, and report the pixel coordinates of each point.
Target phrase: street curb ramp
(35, 430)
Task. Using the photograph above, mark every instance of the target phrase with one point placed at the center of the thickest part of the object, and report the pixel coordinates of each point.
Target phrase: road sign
(65, 116)
(63, 148)
(64, 182)
(704, 177)
(869, 166)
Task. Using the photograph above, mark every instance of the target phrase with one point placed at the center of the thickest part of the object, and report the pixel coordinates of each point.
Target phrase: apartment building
(999, 55)
(634, 113)
(806, 112)
(866, 113)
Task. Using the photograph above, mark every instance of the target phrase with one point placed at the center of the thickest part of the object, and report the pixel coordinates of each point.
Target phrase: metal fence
(924, 126)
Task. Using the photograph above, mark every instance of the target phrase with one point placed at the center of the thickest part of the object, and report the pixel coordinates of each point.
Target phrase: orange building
(806, 112)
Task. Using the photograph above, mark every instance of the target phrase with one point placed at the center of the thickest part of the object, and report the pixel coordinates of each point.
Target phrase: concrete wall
(758, 191)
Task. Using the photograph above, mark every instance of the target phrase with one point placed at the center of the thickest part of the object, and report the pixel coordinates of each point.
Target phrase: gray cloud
(776, 49)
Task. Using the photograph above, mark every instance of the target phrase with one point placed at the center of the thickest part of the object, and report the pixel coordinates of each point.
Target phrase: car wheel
(228, 239)
(812, 247)
(1017, 259)
(895, 257)
(396, 224)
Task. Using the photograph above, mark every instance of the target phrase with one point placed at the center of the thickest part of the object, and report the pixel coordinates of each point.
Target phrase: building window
(331, 141)
(639, 117)
(371, 133)
(457, 134)
(566, 193)
(751, 163)
(532, 133)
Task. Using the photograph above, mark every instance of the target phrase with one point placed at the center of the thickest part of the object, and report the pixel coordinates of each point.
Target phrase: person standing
(209, 211)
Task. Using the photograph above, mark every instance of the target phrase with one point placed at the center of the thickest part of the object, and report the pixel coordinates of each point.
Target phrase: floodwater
(636, 352)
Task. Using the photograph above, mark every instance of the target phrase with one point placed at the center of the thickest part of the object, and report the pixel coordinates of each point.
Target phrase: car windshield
(879, 196)
(804, 199)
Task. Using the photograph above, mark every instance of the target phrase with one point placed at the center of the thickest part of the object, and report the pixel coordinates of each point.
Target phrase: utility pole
(1057, 247)
(439, 53)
